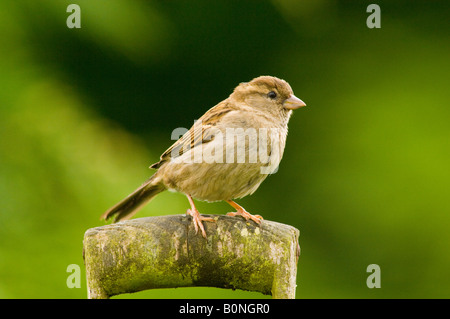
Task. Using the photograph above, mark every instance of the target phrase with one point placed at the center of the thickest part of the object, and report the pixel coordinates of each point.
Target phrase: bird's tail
(129, 206)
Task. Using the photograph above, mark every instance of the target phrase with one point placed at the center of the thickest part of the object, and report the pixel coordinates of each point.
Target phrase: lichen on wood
(165, 252)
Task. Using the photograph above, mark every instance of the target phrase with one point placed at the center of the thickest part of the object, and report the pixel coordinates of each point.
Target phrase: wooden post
(165, 252)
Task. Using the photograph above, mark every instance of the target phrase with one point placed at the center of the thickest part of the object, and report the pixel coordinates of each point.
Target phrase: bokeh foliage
(365, 176)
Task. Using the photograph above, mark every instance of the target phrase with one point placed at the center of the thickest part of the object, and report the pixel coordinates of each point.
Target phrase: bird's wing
(201, 132)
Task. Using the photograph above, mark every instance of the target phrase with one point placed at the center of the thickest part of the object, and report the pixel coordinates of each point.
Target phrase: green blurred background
(365, 175)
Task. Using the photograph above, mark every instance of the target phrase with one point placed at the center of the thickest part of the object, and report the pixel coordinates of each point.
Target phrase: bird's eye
(272, 95)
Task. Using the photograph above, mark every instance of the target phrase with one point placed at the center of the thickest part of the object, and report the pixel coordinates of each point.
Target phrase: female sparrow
(226, 154)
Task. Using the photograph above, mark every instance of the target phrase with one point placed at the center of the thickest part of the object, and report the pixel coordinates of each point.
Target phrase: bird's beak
(293, 103)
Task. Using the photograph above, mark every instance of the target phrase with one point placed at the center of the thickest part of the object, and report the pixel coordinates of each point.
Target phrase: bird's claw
(197, 220)
(256, 218)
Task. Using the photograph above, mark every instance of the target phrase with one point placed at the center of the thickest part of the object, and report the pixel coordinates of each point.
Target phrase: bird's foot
(256, 218)
(197, 219)
(240, 211)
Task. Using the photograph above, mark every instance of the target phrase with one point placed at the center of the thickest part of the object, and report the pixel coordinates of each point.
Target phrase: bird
(226, 154)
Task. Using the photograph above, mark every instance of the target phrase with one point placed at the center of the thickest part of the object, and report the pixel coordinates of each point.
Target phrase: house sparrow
(226, 154)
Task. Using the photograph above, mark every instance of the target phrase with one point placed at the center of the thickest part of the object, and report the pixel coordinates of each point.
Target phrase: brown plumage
(205, 164)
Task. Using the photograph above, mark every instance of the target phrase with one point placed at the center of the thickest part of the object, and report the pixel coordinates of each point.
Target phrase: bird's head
(269, 93)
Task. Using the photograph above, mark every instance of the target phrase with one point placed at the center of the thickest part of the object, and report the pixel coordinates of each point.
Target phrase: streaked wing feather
(200, 133)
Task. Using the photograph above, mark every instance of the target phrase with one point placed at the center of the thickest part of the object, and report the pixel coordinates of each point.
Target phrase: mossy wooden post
(165, 252)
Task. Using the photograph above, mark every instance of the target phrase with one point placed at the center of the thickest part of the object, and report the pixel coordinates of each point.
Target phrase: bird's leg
(197, 218)
(242, 212)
